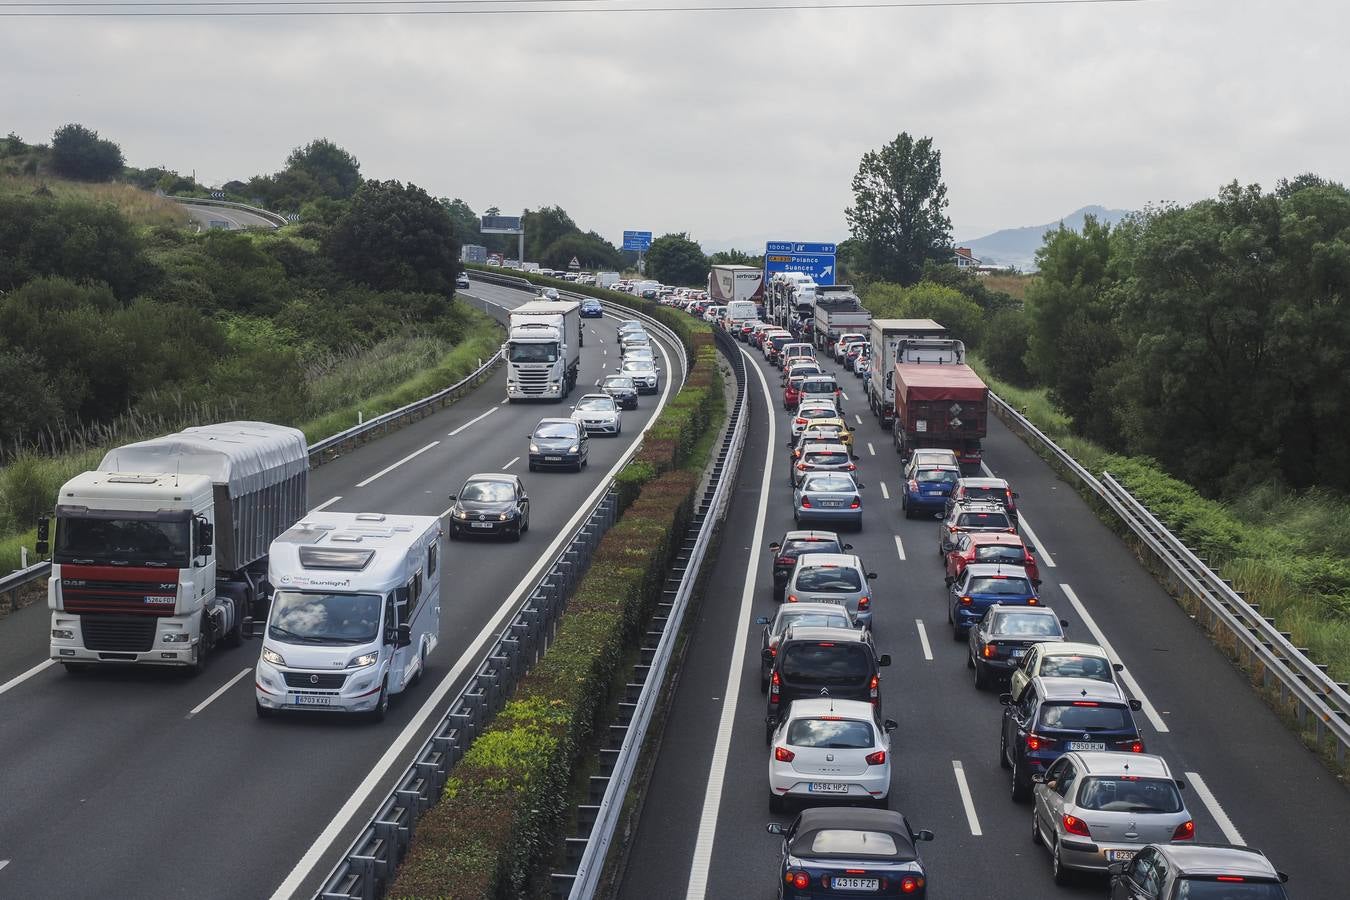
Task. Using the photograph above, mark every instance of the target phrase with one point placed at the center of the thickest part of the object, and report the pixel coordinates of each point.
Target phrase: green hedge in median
(509, 798)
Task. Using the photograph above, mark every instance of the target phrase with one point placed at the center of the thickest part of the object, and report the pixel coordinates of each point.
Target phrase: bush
(79, 153)
(1005, 345)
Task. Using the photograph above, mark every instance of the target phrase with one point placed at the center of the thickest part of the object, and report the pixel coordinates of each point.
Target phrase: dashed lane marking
(966, 799)
(388, 469)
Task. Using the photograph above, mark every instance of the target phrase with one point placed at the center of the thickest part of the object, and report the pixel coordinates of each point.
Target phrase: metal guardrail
(591, 850)
(11, 583)
(276, 218)
(1259, 643)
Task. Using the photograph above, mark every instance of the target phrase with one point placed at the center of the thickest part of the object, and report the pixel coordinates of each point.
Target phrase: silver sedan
(598, 414)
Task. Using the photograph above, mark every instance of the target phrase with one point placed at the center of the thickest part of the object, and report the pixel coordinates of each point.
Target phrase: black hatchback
(793, 545)
(816, 663)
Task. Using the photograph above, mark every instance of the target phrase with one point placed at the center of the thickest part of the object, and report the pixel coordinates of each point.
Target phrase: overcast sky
(733, 126)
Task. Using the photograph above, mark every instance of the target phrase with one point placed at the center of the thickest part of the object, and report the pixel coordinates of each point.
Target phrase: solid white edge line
(218, 691)
(900, 548)
(885, 493)
(1135, 691)
(966, 799)
(701, 861)
(21, 678)
(343, 818)
(1215, 808)
(511, 463)
(386, 471)
(327, 503)
(923, 640)
(473, 420)
(1042, 553)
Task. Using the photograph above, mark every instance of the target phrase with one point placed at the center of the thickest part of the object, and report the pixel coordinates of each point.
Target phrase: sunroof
(333, 558)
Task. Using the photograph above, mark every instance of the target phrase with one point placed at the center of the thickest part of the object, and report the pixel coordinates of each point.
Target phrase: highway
(204, 215)
(147, 784)
(702, 826)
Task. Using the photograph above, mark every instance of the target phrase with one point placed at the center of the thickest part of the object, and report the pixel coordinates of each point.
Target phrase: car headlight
(504, 516)
(368, 659)
(574, 448)
(273, 657)
(461, 514)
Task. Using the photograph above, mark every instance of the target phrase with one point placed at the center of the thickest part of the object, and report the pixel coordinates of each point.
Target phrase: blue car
(591, 309)
(983, 585)
(927, 487)
(840, 851)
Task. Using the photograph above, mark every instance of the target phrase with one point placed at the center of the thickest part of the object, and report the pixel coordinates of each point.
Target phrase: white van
(355, 610)
(741, 311)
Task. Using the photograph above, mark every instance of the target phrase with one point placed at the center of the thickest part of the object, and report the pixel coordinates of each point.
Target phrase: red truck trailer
(941, 405)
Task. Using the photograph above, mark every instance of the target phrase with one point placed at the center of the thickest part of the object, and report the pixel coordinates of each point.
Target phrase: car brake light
(989, 651)
(1185, 831)
(786, 561)
(792, 598)
(1012, 531)
(1084, 703)
(1232, 878)
(800, 880)
(801, 421)
(1075, 825)
(783, 754)
(806, 503)
(874, 689)
(910, 883)
(801, 467)
(856, 504)
(1033, 602)
(775, 683)
(864, 602)
(1036, 742)
(825, 644)
(852, 467)
(1136, 746)
(965, 601)
(952, 529)
(876, 759)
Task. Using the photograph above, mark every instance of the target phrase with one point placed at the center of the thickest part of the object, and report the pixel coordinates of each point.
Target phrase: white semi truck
(886, 336)
(160, 554)
(543, 350)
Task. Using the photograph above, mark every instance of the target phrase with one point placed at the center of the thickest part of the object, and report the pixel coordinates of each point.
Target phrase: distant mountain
(1018, 246)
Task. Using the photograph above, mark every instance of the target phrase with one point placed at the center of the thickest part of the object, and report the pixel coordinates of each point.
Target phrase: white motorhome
(355, 610)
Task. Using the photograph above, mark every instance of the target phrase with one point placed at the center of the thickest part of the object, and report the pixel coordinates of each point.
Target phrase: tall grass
(139, 206)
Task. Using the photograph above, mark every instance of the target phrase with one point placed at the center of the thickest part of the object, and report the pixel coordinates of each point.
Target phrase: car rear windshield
(819, 545)
(986, 493)
(829, 483)
(833, 580)
(1016, 625)
(982, 520)
(1130, 794)
(827, 458)
(1212, 889)
(822, 620)
(1082, 716)
(853, 843)
(826, 662)
(1001, 586)
(819, 386)
(1076, 665)
(936, 476)
(818, 412)
(996, 553)
(830, 734)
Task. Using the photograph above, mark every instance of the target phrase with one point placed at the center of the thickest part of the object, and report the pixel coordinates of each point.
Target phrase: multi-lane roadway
(205, 214)
(702, 828)
(146, 784)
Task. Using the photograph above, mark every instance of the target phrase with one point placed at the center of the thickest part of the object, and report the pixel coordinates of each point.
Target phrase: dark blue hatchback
(927, 488)
(591, 309)
(981, 586)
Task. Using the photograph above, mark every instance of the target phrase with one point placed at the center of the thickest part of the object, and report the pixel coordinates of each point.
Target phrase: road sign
(815, 260)
(637, 240)
(500, 225)
(574, 264)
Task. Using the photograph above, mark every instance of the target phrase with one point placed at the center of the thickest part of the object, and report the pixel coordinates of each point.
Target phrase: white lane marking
(3, 863)
(327, 503)
(399, 746)
(20, 679)
(1125, 676)
(1212, 804)
(220, 690)
(870, 449)
(1041, 553)
(900, 548)
(387, 470)
(511, 463)
(844, 394)
(504, 402)
(966, 799)
(857, 418)
(923, 639)
(474, 419)
(886, 494)
(604, 352)
(701, 862)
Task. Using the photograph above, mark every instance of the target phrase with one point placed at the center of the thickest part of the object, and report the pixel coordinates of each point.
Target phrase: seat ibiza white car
(830, 750)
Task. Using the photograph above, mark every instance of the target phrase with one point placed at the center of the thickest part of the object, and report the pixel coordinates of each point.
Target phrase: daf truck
(160, 554)
(885, 336)
(543, 350)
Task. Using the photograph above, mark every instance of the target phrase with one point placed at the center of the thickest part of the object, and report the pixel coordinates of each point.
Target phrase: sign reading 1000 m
(815, 260)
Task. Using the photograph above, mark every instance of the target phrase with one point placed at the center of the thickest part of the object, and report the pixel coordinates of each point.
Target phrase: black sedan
(834, 851)
(622, 388)
(490, 505)
(558, 444)
(999, 643)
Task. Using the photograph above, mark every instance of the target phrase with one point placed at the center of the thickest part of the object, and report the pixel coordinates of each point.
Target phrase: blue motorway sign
(637, 240)
(815, 260)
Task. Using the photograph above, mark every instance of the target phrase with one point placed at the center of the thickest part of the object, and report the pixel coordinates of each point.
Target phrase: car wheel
(382, 705)
(1003, 751)
(452, 533)
(525, 526)
(981, 677)
(516, 535)
(1021, 785)
(1061, 875)
(533, 467)
(970, 661)
(580, 466)
(1036, 830)
(763, 681)
(261, 711)
(768, 734)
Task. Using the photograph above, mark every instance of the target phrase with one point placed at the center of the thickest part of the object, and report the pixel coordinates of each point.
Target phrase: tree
(590, 250)
(543, 227)
(1005, 346)
(734, 257)
(463, 217)
(962, 317)
(28, 400)
(79, 153)
(332, 171)
(675, 259)
(394, 237)
(72, 238)
(898, 216)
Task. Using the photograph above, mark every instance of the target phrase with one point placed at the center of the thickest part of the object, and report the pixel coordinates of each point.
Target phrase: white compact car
(598, 414)
(830, 750)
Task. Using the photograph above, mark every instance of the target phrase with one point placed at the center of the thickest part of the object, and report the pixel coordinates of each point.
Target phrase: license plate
(835, 600)
(480, 524)
(828, 787)
(855, 884)
(1086, 745)
(1119, 855)
(312, 700)
(832, 503)
(552, 459)
(1018, 654)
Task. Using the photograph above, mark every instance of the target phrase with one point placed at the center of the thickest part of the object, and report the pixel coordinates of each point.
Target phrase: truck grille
(148, 598)
(532, 381)
(326, 681)
(128, 634)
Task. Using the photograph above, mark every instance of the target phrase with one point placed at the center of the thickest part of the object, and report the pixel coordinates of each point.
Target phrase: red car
(792, 392)
(990, 547)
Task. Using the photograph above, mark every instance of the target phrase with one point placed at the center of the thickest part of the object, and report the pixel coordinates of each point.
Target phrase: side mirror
(1118, 667)
(1181, 783)
(1005, 699)
(855, 456)
(404, 635)
(848, 546)
(923, 835)
(1038, 778)
(43, 527)
(1031, 549)
(1136, 705)
(1063, 623)
(452, 496)
(1115, 868)
(761, 620)
(1016, 495)
(776, 828)
(265, 588)
(871, 576)
(885, 660)
(775, 547)
(206, 533)
(861, 486)
(890, 725)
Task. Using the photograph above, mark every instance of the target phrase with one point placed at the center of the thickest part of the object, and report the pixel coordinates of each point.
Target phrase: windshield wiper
(303, 638)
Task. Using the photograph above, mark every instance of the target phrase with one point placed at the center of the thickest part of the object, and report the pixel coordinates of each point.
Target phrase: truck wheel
(199, 662)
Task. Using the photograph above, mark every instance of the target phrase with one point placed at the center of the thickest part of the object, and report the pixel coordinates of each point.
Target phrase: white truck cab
(355, 610)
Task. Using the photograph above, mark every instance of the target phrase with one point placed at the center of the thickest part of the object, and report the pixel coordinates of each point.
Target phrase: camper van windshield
(93, 539)
(534, 353)
(316, 618)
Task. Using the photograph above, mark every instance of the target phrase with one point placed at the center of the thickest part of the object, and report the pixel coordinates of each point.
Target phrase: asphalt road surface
(238, 218)
(1250, 780)
(144, 783)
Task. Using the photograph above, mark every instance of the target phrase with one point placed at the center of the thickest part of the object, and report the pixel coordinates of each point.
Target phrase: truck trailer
(730, 283)
(885, 336)
(543, 350)
(939, 403)
(838, 311)
(159, 554)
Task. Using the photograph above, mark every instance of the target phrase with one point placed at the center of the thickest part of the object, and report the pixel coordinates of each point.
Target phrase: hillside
(139, 207)
(1018, 246)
